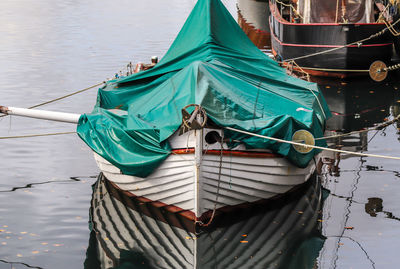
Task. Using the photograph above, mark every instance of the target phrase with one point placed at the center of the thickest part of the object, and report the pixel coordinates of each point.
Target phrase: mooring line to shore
(261, 136)
(314, 147)
(35, 135)
(62, 97)
(376, 128)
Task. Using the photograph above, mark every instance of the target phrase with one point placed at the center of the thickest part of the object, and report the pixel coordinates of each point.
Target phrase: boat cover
(211, 63)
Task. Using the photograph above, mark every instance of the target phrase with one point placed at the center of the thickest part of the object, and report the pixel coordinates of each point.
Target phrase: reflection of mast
(285, 233)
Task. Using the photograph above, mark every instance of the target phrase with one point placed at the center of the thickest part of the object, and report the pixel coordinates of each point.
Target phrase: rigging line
(315, 147)
(291, 7)
(344, 46)
(63, 97)
(300, 70)
(390, 27)
(382, 13)
(319, 103)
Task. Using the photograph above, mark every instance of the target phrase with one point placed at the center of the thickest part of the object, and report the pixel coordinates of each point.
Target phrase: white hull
(189, 180)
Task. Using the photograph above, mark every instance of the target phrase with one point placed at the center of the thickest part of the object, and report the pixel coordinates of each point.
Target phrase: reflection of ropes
(30, 185)
(347, 216)
(21, 263)
(361, 247)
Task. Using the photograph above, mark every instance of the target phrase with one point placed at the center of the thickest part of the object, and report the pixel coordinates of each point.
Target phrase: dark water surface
(52, 48)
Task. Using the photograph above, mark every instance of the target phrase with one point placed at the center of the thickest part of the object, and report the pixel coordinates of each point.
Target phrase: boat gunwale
(239, 153)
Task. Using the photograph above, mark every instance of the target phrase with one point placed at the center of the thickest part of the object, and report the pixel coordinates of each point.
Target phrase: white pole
(41, 114)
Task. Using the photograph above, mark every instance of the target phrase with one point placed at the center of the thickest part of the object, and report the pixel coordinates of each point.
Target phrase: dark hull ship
(325, 38)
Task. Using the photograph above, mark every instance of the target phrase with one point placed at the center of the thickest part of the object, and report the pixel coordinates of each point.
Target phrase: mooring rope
(379, 127)
(218, 187)
(62, 97)
(35, 135)
(310, 146)
(391, 68)
(390, 27)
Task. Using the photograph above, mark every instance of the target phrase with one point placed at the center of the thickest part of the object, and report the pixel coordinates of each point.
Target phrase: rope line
(390, 27)
(218, 188)
(35, 135)
(62, 97)
(315, 147)
(391, 68)
(379, 127)
(66, 96)
(291, 7)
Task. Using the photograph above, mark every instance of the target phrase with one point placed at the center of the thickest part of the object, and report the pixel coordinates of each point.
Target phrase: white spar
(41, 114)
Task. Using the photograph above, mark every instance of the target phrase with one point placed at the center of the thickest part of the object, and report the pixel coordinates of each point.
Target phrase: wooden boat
(284, 233)
(173, 135)
(200, 176)
(303, 33)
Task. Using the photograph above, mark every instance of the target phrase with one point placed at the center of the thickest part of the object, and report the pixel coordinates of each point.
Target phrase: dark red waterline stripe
(229, 153)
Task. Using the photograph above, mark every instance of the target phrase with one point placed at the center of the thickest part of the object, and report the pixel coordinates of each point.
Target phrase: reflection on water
(360, 215)
(51, 48)
(285, 233)
(361, 184)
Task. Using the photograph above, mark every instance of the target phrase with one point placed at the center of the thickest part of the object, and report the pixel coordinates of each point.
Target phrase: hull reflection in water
(283, 233)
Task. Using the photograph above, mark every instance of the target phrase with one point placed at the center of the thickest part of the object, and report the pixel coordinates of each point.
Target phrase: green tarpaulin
(214, 64)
